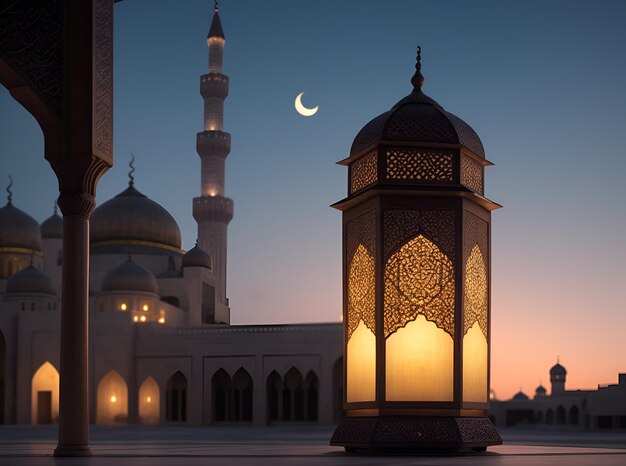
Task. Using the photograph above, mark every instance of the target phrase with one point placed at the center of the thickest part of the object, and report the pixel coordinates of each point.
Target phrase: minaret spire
(131, 165)
(9, 191)
(212, 210)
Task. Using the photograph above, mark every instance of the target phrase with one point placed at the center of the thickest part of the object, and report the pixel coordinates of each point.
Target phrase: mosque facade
(601, 409)
(162, 349)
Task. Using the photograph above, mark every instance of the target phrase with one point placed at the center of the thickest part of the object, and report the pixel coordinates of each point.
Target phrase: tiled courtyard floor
(242, 446)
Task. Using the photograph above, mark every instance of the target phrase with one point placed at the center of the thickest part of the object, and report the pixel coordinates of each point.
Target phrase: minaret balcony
(213, 209)
(213, 143)
(214, 85)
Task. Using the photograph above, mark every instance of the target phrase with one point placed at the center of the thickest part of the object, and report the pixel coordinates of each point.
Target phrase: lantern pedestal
(417, 433)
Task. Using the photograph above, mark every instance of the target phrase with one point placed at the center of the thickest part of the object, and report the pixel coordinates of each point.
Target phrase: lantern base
(416, 433)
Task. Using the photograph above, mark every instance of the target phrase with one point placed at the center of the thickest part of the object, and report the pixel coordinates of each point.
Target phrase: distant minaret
(212, 210)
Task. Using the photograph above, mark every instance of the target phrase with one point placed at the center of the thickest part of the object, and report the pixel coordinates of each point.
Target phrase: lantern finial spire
(131, 165)
(418, 80)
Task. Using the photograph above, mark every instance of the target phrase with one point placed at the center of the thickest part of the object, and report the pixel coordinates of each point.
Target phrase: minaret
(212, 210)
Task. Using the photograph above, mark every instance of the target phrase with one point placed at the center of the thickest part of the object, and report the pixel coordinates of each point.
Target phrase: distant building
(604, 408)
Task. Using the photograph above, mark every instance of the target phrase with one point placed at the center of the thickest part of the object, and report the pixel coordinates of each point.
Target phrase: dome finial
(196, 241)
(55, 208)
(131, 165)
(418, 80)
(10, 196)
(216, 7)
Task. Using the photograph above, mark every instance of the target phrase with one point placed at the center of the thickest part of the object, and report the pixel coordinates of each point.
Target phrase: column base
(73, 450)
(416, 433)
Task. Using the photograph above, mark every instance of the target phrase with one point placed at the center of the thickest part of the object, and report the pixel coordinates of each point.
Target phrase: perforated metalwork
(361, 251)
(408, 164)
(419, 122)
(419, 280)
(467, 136)
(369, 133)
(403, 224)
(476, 259)
(472, 174)
(475, 308)
(363, 172)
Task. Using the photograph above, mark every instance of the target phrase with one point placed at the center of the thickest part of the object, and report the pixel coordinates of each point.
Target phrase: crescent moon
(302, 110)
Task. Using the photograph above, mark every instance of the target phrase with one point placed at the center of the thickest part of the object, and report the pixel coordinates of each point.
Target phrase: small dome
(19, 230)
(29, 281)
(557, 369)
(132, 219)
(520, 396)
(197, 257)
(130, 276)
(52, 227)
(540, 391)
(418, 118)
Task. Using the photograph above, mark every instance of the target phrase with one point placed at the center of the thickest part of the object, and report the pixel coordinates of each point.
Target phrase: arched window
(242, 383)
(176, 398)
(292, 398)
(149, 402)
(274, 397)
(112, 399)
(538, 417)
(45, 395)
(574, 418)
(311, 389)
(560, 415)
(550, 417)
(221, 386)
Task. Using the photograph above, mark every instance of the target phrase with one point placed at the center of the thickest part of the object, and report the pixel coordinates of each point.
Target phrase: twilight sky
(540, 81)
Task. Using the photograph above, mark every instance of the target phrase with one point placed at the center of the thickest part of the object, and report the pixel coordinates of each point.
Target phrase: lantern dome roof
(557, 369)
(130, 276)
(540, 390)
(197, 257)
(520, 396)
(418, 118)
(30, 280)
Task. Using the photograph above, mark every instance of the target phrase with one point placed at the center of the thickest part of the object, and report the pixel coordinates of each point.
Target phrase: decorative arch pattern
(176, 398)
(292, 398)
(45, 395)
(232, 397)
(149, 402)
(112, 399)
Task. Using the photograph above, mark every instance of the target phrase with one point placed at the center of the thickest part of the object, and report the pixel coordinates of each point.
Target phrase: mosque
(162, 349)
(604, 408)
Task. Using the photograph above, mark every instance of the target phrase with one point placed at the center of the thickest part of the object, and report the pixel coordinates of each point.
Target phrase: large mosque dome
(52, 227)
(131, 221)
(19, 232)
(418, 118)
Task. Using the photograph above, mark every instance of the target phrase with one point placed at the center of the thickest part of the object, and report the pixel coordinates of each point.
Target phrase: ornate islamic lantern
(416, 247)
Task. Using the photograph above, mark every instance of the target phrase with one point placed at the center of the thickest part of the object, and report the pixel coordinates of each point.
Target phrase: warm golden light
(135, 318)
(361, 365)
(475, 348)
(123, 307)
(111, 399)
(142, 318)
(361, 346)
(145, 307)
(419, 323)
(149, 409)
(161, 319)
(45, 389)
(419, 363)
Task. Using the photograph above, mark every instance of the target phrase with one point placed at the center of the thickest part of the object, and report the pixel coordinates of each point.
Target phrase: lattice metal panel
(419, 268)
(414, 165)
(476, 259)
(419, 280)
(472, 174)
(361, 251)
(419, 122)
(370, 132)
(467, 136)
(363, 172)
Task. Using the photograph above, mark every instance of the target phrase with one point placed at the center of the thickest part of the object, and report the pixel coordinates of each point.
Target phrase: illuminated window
(149, 402)
(142, 318)
(135, 319)
(145, 307)
(123, 307)
(475, 350)
(112, 399)
(361, 346)
(419, 323)
(161, 317)
(45, 395)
